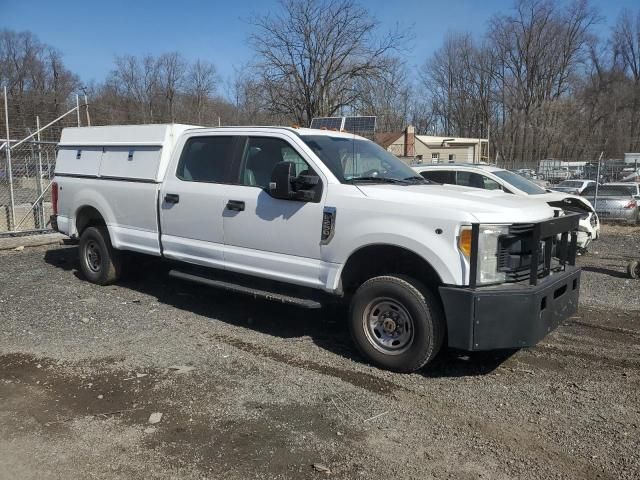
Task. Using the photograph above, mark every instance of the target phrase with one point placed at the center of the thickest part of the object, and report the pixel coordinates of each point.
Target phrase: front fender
(437, 249)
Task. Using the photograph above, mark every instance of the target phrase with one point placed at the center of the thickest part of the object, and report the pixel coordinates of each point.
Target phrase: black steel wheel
(396, 322)
(100, 263)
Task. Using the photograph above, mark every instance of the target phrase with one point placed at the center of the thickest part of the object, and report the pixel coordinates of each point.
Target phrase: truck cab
(304, 215)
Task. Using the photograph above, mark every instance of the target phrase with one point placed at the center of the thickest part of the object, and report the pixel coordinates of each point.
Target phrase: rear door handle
(172, 198)
(235, 205)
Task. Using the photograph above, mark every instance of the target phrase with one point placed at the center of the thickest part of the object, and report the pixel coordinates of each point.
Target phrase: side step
(254, 292)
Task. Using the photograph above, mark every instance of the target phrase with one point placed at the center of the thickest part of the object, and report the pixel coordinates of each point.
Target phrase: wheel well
(374, 260)
(87, 217)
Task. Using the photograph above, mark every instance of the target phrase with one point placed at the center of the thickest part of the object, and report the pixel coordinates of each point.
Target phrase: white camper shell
(133, 152)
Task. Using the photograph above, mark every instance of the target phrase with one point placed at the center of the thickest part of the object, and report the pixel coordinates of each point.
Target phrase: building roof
(386, 139)
(433, 140)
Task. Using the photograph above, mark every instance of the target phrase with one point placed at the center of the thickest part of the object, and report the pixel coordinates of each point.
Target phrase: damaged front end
(589, 224)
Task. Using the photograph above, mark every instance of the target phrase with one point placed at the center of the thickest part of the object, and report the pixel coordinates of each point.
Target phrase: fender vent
(328, 225)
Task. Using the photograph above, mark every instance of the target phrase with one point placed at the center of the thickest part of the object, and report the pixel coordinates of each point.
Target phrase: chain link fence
(27, 163)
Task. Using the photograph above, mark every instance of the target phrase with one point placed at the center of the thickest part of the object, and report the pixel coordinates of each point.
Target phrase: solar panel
(330, 123)
(360, 124)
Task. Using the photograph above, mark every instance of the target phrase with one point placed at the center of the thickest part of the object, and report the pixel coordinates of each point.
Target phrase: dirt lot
(249, 389)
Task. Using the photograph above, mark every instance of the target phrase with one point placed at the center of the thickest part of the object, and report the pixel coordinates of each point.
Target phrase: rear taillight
(54, 197)
(631, 204)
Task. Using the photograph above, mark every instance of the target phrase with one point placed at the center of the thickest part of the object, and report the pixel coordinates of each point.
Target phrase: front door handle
(172, 198)
(235, 205)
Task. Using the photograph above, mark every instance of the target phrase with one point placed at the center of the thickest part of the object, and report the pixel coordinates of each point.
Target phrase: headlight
(488, 254)
(488, 237)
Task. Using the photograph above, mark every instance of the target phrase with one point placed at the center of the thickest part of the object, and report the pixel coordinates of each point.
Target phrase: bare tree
(311, 54)
(200, 84)
(172, 69)
(36, 78)
(387, 96)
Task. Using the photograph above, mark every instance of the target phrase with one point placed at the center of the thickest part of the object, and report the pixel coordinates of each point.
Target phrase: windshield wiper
(395, 181)
(417, 179)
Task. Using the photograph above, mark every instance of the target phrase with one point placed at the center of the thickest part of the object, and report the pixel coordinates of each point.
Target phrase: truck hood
(566, 201)
(485, 206)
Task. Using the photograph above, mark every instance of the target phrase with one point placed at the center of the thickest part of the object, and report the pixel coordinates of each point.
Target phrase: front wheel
(99, 261)
(396, 322)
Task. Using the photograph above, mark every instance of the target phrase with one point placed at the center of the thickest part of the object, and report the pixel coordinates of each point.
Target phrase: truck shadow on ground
(326, 327)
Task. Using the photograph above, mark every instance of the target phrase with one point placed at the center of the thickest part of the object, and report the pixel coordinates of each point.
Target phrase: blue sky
(91, 33)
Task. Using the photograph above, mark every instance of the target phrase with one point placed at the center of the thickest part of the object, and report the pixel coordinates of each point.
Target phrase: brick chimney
(410, 141)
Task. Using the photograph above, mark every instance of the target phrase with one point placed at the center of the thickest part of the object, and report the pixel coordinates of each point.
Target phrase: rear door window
(475, 180)
(440, 176)
(206, 159)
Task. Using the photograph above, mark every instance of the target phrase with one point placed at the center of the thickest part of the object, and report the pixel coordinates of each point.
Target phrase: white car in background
(575, 187)
(489, 177)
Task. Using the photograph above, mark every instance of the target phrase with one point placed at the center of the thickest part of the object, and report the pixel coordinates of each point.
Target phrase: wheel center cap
(389, 325)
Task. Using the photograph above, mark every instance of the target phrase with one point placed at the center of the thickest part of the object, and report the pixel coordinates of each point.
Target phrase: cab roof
(300, 131)
(458, 166)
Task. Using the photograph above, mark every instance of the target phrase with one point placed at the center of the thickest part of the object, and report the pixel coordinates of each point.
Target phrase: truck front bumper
(509, 315)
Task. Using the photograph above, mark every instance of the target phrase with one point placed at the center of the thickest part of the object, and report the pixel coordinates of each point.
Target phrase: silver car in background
(576, 187)
(614, 202)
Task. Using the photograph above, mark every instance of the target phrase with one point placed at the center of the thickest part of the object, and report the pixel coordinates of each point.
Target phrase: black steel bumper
(509, 315)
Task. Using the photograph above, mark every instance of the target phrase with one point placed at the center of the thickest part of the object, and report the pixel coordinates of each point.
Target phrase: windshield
(570, 183)
(519, 182)
(353, 159)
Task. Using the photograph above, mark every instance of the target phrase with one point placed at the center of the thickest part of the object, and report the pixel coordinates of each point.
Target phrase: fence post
(78, 108)
(42, 215)
(86, 109)
(12, 219)
(595, 199)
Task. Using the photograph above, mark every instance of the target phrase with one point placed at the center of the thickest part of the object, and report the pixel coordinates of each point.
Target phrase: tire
(396, 323)
(633, 269)
(100, 263)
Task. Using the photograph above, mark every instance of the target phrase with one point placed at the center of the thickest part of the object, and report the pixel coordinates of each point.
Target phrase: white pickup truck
(300, 216)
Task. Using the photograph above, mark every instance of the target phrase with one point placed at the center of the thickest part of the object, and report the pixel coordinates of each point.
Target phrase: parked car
(614, 202)
(302, 216)
(494, 178)
(633, 187)
(575, 187)
(527, 173)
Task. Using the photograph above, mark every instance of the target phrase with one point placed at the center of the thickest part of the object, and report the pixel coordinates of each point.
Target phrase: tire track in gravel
(362, 380)
(522, 440)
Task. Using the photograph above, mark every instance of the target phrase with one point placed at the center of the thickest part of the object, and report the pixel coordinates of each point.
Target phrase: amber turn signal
(464, 241)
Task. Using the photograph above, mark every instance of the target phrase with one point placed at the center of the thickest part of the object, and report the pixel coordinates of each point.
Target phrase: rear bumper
(53, 220)
(629, 215)
(509, 315)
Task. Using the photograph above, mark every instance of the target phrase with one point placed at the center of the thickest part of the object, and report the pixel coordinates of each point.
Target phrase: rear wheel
(396, 322)
(633, 269)
(99, 261)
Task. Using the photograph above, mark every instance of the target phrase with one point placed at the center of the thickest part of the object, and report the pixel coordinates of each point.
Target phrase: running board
(254, 292)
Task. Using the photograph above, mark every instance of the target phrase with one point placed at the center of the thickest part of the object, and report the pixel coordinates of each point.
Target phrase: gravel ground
(250, 389)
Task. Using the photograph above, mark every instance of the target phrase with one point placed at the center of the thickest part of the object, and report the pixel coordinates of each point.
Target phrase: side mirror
(286, 186)
(281, 176)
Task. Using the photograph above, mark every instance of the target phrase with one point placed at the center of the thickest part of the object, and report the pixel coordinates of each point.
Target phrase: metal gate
(27, 165)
